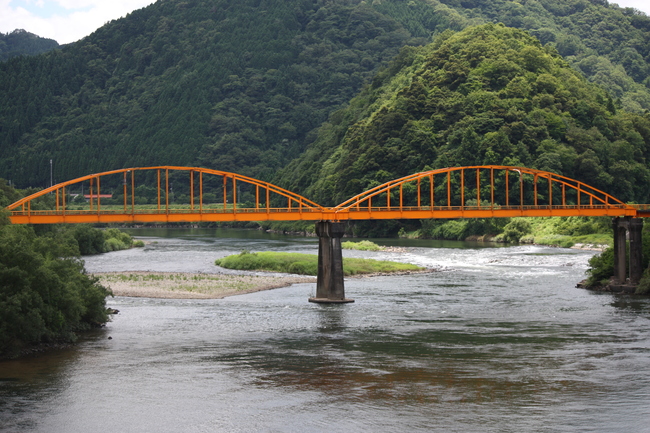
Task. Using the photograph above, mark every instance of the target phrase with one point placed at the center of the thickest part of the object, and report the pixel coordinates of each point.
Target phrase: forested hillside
(486, 95)
(242, 85)
(235, 85)
(21, 42)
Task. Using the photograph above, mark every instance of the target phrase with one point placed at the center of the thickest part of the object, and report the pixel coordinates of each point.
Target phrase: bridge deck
(327, 214)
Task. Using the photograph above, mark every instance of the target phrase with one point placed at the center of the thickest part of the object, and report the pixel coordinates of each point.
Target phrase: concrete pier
(329, 284)
(623, 228)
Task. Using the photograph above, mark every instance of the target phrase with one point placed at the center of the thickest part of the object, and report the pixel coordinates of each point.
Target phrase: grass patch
(307, 264)
(363, 246)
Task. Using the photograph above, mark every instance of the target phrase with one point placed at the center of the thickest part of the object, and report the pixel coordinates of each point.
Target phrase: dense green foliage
(362, 246)
(241, 85)
(20, 42)
(306, 264)
(45, 294)
(230, 85)
(486, 95)
(610, 45)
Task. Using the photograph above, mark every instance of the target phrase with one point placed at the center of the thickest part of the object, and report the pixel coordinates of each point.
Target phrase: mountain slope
(234, 85)
(21, 42)
(241, 85)
(486, 95)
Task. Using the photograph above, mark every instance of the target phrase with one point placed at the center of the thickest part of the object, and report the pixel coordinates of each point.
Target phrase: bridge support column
(635, 228)
(329, 284)
(622, 227)
(620, 230)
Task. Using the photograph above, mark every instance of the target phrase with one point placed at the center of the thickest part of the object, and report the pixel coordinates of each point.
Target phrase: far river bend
(499, 341)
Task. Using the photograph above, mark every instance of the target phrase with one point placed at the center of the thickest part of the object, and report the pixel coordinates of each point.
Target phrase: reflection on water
(498, 341)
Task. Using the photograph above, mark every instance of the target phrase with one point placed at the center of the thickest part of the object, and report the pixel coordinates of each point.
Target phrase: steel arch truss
(488, 191)
(264, 201)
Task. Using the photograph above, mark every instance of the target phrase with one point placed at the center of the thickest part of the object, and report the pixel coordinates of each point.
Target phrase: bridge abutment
(623, 228)
(330, 287)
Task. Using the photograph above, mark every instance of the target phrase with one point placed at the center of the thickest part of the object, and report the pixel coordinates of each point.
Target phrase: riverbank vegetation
(553, 231)
(46, 297)
(307, 264)
(45, 294)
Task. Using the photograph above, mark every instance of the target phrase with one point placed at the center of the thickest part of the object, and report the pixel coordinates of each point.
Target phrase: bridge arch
(486, 191)
(267, 199)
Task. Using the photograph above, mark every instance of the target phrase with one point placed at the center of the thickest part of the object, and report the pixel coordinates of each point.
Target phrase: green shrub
(362, 245)
(113, 244)
(601, 267)
(89, 239)
(644, 285)
(516, 229)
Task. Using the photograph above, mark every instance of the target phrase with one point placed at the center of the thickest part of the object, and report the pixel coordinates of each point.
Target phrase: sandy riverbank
(173, 285)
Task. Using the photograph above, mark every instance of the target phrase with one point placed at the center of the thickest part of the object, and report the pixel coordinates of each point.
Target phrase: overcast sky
(70, 20)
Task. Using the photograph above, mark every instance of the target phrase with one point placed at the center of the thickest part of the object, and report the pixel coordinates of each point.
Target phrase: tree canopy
(241, 85)
(489, 94)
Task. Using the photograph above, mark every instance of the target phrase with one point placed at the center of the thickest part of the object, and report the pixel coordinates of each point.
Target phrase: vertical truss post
(91, 193)
(579, 197)
(449, 189)
(507, 188)
(492, 188)
(132, 191)
(431, 192)
(191, 189)
(225, 192)
(268, 201)
(125, 194)
(478, 188)
(234, 194)
(158, 190)
(167, 191)
(521, 190)
(462, 187)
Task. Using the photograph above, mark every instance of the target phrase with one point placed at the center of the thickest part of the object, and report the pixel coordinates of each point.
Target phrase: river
(499, 340)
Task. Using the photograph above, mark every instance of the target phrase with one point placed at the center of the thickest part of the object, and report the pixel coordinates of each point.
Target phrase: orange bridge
(191, 194)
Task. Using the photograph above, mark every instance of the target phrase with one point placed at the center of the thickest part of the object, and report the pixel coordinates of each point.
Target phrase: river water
(499, 340)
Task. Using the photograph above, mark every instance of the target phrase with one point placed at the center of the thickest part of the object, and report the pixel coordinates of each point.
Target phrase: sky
(67, 21)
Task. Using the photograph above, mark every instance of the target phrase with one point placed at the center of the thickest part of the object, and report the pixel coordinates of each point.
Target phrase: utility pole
(51, 178)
